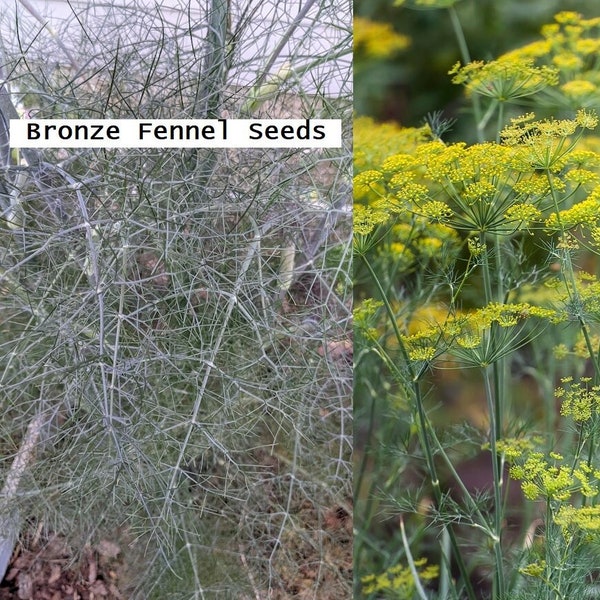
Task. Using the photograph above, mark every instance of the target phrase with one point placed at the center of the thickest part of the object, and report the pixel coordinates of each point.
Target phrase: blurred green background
(412, 82)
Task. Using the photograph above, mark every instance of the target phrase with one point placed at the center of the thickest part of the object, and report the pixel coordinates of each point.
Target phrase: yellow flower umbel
(366, 183)
(582, 219)
(365, 219)
(469, 337)
(585, 518)
(581, 91)
(535, 569)
(365, 317)
(504, 80)
(398, 582)
(579, 400)
(541, 479)
(374, 142)
(377, 40)
(553, 477)
(582, 302)
(569, 46)
(545, 145)
(513, 448)
(389, 188)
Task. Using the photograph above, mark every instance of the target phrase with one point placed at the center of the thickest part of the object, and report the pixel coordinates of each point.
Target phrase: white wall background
(311, 45)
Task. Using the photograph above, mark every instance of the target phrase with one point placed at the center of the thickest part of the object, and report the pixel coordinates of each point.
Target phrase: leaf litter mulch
(318, 556)
(47, 570)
